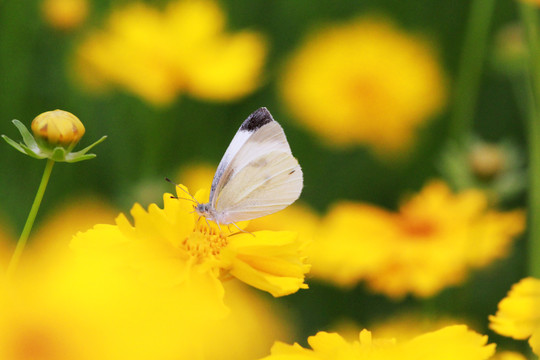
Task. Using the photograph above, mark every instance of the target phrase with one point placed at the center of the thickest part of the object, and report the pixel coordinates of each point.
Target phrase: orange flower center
(416, 227)
(204, 242)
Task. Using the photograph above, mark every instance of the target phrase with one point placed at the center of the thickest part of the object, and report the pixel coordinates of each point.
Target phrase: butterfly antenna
(184, 190)
(181, 198)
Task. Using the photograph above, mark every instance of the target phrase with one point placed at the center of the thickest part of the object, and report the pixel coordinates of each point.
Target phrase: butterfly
(257, 175)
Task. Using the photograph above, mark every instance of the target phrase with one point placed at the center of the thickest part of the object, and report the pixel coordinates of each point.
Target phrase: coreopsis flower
(65, 307)
(496, 168)
(364, 82)
(157, 55)
(64, 14)
(82, 307)
(518, 314)
(251, 317)
(452, 342)
(178, 247)
(432, 242)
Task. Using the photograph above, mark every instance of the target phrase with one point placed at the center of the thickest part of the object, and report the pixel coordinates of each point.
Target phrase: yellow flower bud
(58, 128)
(65, 14)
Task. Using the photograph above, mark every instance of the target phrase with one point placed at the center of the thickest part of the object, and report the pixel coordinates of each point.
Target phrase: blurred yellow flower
(64, 14)
(364, 82)
(158, 54)
(196, 175)
(297, 217)
(177, 247)
(407, 325)
(251, 317)
(518, 315)
(62, 307)
(509, 355)
(452, 342)
(431, 243)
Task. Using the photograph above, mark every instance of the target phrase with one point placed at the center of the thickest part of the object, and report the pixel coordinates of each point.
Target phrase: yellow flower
(177, 247)
(364, 82)
(518, 314)
(184, 48)
(452, 342)
(251, 317)
(64, 14)
(434, 239)
(87, 307)
(196, 176)
(403, 327)
(509, 355)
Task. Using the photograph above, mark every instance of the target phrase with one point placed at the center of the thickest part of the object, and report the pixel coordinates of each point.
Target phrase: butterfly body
(257, 175)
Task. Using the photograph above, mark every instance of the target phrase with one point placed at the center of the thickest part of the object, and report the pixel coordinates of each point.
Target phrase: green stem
(470, 67)
(30, 220)
(529, 19)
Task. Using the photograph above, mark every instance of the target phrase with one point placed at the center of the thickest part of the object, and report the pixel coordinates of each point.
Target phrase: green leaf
(27, 137)
(80, 158)
(14, 144)
(85, 150)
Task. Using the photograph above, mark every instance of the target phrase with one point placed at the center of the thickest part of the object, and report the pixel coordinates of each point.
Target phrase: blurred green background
(35, 76)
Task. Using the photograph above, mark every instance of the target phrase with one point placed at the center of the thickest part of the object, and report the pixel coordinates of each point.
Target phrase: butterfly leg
(244, 231)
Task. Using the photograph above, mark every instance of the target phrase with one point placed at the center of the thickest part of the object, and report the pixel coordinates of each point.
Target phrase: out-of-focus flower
(64, 14)
(7, 244)
(518, 315)
(251, 317)
(63, 307)
(177, 247)
(158, 54)
(434, 239)
(197, 176)
(508, 355)
(364, 82)
(57, 133)
(296, 217)
(497, 168)
(510, 50)
(408, 325)
(533, 2)
(452, 342)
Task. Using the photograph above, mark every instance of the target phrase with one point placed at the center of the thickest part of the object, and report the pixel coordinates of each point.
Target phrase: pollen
(204, 243)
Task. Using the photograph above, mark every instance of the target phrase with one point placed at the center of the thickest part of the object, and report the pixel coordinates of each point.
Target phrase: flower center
(416, 227)
(204, 242)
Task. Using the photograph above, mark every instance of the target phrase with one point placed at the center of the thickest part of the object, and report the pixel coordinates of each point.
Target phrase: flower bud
(58, 128)
(486, 161)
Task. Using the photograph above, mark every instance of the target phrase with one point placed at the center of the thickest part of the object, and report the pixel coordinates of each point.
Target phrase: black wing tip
(257, 119)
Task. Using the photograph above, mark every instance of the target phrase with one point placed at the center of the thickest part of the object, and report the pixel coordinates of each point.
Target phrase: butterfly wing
(257, 135)
(267, 184)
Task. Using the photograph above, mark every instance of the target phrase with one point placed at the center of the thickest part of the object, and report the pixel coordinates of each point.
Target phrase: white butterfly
(257, 176)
